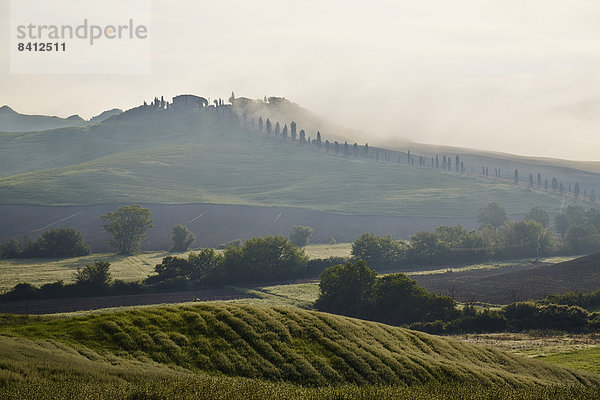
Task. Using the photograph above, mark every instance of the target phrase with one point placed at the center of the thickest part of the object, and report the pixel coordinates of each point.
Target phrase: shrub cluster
(354, 290)
(522, 316)
(57, 242)
(269, 258)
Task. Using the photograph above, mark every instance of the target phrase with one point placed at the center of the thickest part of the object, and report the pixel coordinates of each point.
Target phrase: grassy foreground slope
(285, 344)
(205, 157)
(46, 369)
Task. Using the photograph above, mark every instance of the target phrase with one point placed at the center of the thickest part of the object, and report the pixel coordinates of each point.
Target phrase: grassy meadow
(236, 351)
(40, 271)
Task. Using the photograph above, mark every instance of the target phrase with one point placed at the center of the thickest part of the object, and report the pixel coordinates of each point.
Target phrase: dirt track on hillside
(213, 224)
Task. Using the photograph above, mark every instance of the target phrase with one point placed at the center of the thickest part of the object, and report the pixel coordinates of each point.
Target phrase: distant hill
(285, 344)
(214, 155)
(104, 116)
(12, 121)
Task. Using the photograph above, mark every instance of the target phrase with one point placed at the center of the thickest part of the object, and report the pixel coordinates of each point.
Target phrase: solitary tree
(127, 225)
(554, 184)
(277, 128)
(493, 214)
(319, 139)
(182, 238)
(539, 179)
(260, 124)
(576, 190)
(284, 131)
(300, 235)
(457, 163)
(344, 287)
(268, 126)
(516, 176)
(530, 180)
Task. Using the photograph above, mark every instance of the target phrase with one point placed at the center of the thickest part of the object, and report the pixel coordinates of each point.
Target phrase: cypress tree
(516, 176)
(268, 126)
(293, 131)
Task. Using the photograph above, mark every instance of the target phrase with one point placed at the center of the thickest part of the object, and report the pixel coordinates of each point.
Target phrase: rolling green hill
(160, 156)
(280, 344)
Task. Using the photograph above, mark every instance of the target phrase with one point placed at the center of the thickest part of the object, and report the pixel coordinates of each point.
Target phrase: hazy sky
(515, 76)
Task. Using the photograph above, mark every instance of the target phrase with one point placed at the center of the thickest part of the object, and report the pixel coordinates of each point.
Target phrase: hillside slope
(158, 156)
(517, 283)
(288, 344)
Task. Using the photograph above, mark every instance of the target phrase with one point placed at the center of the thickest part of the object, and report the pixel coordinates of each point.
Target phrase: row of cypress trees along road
(446, 163)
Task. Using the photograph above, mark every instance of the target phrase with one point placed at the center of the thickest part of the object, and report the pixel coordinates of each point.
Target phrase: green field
(190, 350)
(578, 351)
(584, 359)
(205, 158)
(127, 268)
(40, 271)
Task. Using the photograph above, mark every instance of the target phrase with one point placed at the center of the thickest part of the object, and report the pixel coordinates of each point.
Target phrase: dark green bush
(57, 242)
